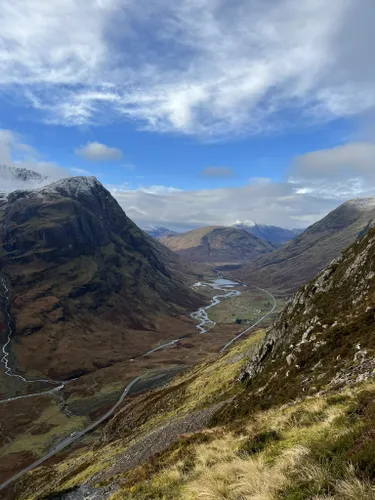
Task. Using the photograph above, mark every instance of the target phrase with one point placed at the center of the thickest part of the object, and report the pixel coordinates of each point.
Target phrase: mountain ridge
(274, 234)
(217, 244)
(299, 260)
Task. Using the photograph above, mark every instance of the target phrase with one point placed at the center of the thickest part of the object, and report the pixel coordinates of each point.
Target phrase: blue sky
(196, 112)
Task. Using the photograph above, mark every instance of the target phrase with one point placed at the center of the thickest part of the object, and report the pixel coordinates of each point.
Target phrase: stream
(204, 325)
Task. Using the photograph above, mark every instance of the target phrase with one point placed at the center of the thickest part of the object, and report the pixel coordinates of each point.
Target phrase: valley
(80, 405)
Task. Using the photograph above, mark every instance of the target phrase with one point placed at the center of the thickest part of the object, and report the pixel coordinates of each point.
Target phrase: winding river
(203, 326)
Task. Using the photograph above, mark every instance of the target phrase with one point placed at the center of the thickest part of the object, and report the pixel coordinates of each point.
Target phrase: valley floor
(39, 423)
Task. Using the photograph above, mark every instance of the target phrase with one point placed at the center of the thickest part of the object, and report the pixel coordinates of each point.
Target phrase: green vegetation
(309, 449)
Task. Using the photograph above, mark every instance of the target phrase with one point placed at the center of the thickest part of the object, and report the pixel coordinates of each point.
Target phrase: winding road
(205, 324)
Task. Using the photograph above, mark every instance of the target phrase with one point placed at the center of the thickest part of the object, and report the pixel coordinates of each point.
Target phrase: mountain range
(274, 234)
(288, 413)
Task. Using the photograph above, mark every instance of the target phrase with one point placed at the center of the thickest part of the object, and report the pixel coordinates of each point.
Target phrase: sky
(197, 112)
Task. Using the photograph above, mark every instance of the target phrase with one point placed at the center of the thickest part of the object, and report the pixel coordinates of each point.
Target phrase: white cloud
(316, 183)
(272, 203)
(355, 159)
(95, 151)
(211, 68)
(15, 153)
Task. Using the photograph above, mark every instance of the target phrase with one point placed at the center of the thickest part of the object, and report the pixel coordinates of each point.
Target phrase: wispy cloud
(210, 68)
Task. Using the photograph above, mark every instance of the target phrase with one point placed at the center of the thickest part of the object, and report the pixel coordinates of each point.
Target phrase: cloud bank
(316, 183)
(209, 68)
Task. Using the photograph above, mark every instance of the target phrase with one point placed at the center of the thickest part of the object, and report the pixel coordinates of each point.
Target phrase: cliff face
(325, 337)
(78, 267)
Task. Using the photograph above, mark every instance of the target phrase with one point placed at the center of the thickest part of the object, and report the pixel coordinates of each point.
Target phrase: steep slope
(88, 287)
(217, 244)
(299, 426)
(324, 338)
(298, 261)
(158, 231)
(274, 234)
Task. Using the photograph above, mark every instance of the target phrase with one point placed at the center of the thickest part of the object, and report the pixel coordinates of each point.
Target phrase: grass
(247, 307)
(50, 426)
(318, 447)
(286, 452)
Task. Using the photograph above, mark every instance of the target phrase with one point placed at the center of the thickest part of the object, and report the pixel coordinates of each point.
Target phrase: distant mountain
(298, 261)
(12, 178)
(158, 231)
(88, 287)
(274, 234)
(218, 244)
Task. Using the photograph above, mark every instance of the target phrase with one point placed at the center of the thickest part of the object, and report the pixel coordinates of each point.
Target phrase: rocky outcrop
(325, 335)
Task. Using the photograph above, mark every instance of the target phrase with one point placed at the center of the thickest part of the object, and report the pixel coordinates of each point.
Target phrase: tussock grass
(298, 451)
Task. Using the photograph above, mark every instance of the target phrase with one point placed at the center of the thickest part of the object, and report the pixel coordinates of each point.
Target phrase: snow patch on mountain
(363, 203)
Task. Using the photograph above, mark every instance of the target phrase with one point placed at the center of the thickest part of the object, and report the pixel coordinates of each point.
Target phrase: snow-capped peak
(363, 203)
(12, 178)
(71, 185)
(246, 223)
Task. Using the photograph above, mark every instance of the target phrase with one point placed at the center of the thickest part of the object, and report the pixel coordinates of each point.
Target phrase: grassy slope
(317, 447)
(298, 261)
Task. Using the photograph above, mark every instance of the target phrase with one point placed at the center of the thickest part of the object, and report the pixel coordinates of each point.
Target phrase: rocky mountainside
(88, 287)
(324, 338)
(274, 234)
(17, 178)
(158, 231)
(218, 245)
(298, 261)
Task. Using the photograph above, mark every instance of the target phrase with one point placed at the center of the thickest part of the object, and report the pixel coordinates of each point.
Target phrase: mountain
(88, 287)
(17, 178)
(298, 261)
(325, 335)
(158, 231)
(217, 244)
(296, 422)
(274, 234)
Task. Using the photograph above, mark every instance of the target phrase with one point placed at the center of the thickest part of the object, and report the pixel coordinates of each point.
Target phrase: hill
(88, 287)
(217, 244)
(274, 234)
(298, 261)
(296, 421)
(158, 231)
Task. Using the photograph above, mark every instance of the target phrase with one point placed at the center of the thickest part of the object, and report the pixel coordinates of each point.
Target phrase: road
(201, 316)
(71, 439)
(255, 324)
